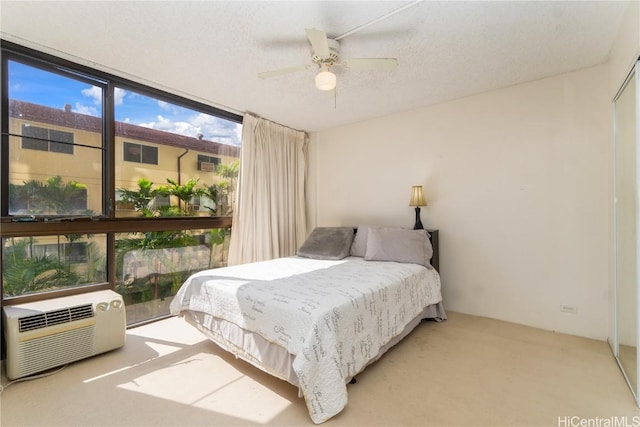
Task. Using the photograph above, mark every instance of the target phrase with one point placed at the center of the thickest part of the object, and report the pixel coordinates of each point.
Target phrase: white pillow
(399, 245)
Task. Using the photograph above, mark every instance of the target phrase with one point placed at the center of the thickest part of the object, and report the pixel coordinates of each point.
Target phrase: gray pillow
(400, 245)
(359, 246)
(327, 243)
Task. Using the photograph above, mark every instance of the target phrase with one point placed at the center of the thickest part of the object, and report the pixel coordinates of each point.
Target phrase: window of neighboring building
(37, 138)
(207, 163)
(140, 153)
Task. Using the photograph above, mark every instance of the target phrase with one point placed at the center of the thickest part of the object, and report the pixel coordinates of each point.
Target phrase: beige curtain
(269, 219)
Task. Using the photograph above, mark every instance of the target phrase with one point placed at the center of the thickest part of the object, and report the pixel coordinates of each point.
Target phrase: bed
(319, 318)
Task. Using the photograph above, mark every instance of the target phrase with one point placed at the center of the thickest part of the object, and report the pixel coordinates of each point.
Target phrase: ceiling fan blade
(319, 43)
(283, 71)
(370, 63)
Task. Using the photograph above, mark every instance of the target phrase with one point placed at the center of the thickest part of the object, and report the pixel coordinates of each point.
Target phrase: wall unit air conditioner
(207, 166)
(46, 334)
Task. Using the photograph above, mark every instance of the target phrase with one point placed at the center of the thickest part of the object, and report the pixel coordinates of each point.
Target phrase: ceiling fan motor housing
(334, 54)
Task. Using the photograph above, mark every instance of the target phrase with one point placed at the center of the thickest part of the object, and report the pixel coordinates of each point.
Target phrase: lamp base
(418, 224)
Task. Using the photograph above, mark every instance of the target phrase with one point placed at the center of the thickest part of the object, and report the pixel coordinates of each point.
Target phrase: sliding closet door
(627, 228)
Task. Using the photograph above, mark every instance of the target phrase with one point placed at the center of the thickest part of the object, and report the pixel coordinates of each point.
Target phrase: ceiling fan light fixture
(325, 80)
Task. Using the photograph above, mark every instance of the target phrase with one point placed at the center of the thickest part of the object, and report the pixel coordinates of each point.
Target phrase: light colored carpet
(467, 371)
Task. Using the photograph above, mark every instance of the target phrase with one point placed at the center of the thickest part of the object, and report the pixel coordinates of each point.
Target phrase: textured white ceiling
(212, 51)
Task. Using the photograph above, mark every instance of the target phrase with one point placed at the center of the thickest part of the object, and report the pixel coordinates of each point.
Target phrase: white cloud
(119, 94)
(85, 109)
(150, 125)
(93, 92)
(212, 128)
(202, 119)
(96, 93)
(164, 105)
(184, 128)
(162, 123)
(217, 129)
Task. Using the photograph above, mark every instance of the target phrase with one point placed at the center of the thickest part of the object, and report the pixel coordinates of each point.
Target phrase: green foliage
(229, 171)
(217, 238)
(23, 274)
(217, 235)
(170, 211)
(156, 240)
(31, 193)
(213, 193)
(160, 285)
(95, 264)
(14, 194)
(184, 192)
(59, 195)
(141, 198)
(219, 194)
(54, 196)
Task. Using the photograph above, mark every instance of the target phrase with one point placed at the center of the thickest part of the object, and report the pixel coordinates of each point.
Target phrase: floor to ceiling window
(108, 184)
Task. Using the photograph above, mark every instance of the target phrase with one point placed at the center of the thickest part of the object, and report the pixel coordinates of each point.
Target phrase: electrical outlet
(572, 309)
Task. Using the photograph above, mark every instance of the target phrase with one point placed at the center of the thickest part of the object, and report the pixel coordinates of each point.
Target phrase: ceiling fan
(325, 54)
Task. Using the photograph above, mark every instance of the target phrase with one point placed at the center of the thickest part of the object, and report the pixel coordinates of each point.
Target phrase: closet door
(627, 228)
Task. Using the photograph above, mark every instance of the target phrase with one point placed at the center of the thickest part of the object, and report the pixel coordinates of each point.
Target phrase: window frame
(142, 148)
(106, 223)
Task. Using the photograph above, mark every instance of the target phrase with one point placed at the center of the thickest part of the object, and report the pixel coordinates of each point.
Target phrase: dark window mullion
(4, 146)
(109, 176)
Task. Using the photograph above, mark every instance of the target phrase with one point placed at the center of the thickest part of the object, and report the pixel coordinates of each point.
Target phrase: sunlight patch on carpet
(207, 382)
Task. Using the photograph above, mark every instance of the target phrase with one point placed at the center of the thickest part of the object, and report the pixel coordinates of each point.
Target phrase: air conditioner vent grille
(56, 317)
(207, 166)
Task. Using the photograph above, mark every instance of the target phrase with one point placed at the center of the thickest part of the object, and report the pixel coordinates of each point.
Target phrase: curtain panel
(269, 219)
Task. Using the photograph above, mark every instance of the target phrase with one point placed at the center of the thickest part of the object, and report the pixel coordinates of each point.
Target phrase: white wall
(517, 182)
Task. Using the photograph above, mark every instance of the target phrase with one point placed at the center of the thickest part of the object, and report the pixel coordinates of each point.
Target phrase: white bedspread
(332, 315)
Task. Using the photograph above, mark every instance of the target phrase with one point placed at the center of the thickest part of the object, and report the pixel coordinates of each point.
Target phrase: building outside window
(163, 140)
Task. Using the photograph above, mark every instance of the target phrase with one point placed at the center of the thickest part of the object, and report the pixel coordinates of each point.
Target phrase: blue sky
(41, 87)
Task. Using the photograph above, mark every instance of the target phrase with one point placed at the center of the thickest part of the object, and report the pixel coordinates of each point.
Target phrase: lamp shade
(325, 80)
(417, 196)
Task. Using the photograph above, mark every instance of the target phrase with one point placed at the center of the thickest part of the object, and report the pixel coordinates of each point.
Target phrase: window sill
(13, 228)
